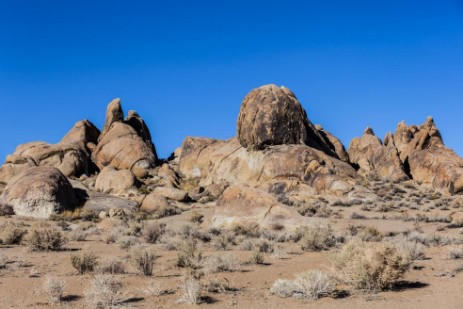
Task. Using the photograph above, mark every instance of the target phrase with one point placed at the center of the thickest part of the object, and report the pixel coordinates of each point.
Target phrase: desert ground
(418, 221)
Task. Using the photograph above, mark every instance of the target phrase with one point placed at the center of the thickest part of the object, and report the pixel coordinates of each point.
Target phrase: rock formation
(39, 192)
(428, 161)
(247, 206)
(270, 116)
(121, 146)
(112, 181)
(372, 157)
(211, 161)
(71, 155)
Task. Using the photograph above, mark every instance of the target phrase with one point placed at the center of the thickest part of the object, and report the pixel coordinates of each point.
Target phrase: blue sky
(185, 66)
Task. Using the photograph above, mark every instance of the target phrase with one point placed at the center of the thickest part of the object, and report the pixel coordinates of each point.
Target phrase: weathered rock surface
(270, 116)
(154, 203)
(121, 146)
(212, 161)
(71, 155)
(39, 192)
(372, 157)
(112, 181)
(171, 193)
(423, 153)
(242, 206)
(334, 143)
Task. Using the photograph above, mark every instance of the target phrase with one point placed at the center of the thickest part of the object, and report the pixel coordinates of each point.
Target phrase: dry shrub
(54, 289)
(309, 285)
(191, 291)
(370, 233)
(413, 249)
(216, 264)
(111, 266)
(3, 261)
(257, 258)
(318, 238)
(84, 261)
(455, 253)
(127, 242)
(12, 234)
(190, 256)
(46, 239)
(104, 292)
(143, 259)
(152, 232)
(196, 217)
(370, 266)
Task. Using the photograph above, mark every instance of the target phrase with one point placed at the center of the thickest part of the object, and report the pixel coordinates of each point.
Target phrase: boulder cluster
(277, 159)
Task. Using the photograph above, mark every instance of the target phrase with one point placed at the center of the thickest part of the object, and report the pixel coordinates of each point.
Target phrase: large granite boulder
(123, 147)
(372, 157)
(271, 116)
(71, 155)
(39, 192)
(424, 155)
(112, 181)
(241, 205)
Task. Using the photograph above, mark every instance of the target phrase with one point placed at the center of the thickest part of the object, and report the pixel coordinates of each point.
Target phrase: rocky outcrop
(123, 147)
(428, 161)
(271, 116)
(112, 181)
(212, 161)
(333, 143)
(240, 205)
(71, 155)
(39, 192)
(135, 121)
(374, 158)
(114, 114)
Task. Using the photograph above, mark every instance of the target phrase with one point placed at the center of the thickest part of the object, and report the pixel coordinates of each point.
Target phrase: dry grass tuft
(309, 285)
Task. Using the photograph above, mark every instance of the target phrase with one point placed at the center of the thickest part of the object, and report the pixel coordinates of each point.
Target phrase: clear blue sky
(185, 66)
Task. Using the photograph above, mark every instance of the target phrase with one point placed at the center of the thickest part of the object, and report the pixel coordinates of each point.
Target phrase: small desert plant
(318, 238)
(46, 239)
(413, 249)
(196, 217)
(3, 261)
(310, 285)
(370, 266)
(224, 241)
(13, 235)
(215, 264)
(78, 234)
(152, 232)
(190, 256)
(370, 233)
(143, 259)
(258, 258)
(104, 292)
(111, 266)
(455, 253)
(154, 289)
(127, 242)
(279, 252)
(33, 273)
(54, 289)
(191, 289)
(84, 262)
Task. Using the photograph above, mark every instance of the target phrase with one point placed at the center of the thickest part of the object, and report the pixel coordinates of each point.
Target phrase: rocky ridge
(278, 162)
